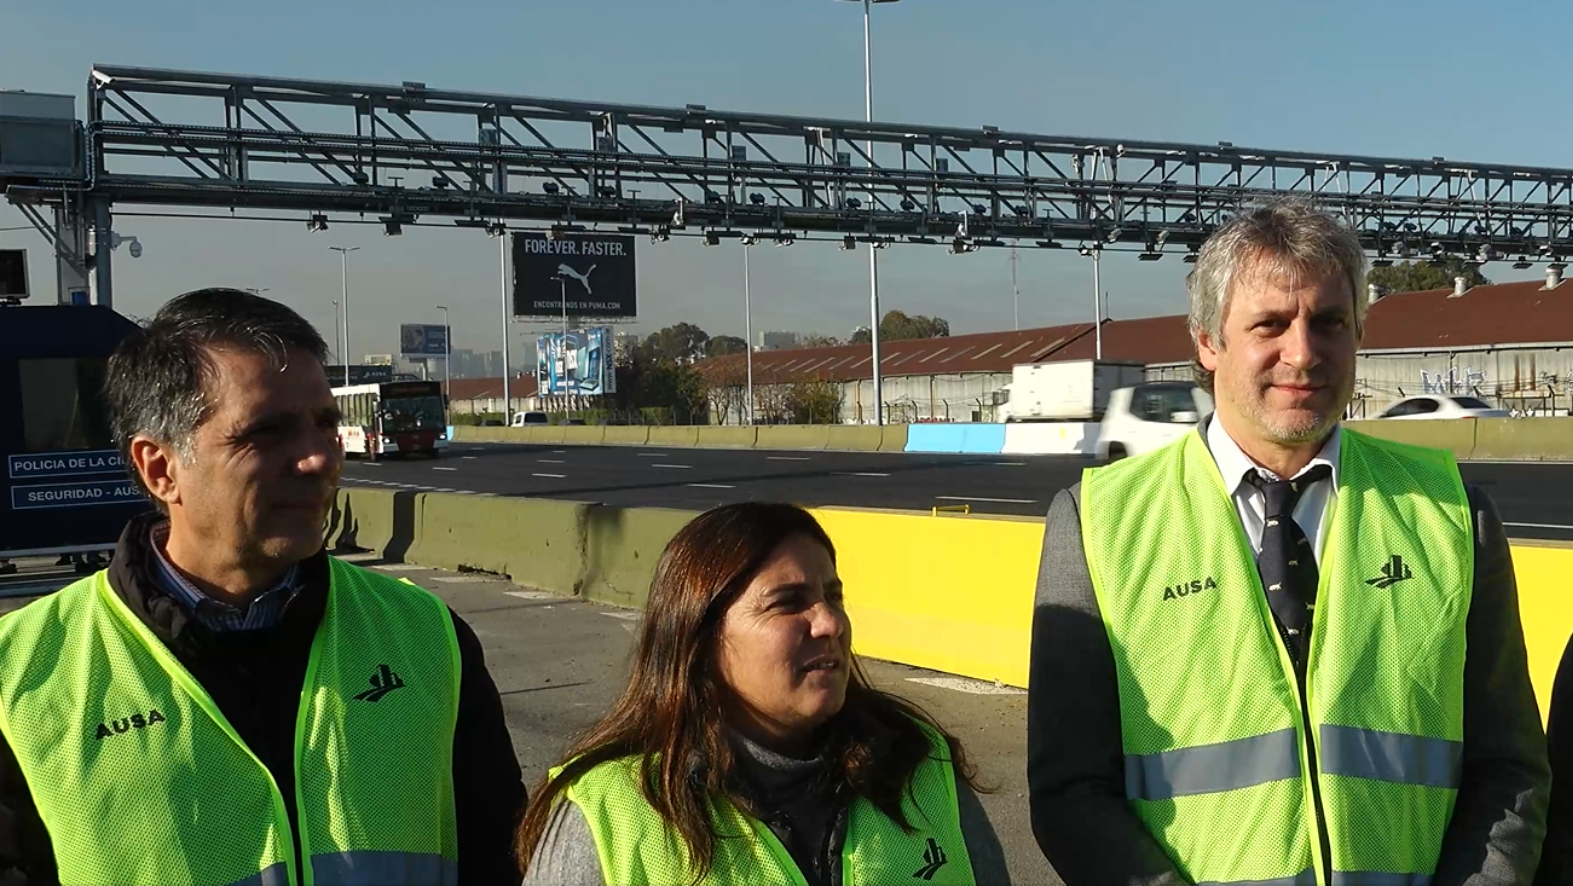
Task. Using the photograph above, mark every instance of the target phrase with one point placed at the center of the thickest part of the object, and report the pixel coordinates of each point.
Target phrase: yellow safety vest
(1214, 729)
(140, 780)
(637, 848)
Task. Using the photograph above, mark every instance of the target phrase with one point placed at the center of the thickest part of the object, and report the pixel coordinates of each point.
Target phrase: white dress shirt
(1314, 504)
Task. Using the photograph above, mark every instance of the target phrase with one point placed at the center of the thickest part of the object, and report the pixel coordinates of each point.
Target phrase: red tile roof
(1503, 313)
(489, 388)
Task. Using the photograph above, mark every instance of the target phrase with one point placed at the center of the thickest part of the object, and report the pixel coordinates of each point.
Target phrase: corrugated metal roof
(1517, 313)
(489, 388)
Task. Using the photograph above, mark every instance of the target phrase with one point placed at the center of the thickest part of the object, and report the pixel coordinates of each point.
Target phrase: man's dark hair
(160, 377)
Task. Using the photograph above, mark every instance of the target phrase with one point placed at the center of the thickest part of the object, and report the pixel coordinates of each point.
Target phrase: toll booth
(64, 488)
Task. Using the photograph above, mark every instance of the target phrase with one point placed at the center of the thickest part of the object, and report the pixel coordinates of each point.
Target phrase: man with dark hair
(226, 703)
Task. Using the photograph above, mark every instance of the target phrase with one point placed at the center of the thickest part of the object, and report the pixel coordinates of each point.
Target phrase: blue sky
(1403, 78)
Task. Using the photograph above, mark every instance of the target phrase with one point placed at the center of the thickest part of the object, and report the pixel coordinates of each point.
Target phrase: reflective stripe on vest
(1211, 718)
(140, 779)
(637, 848)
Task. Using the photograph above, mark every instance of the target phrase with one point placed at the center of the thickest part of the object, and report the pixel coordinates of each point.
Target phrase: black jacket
(255, 678)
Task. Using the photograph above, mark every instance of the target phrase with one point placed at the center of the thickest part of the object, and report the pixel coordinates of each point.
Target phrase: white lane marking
(468, 457)
(992, 501)
(1010, 464)
(860, 474)
(675, 467)
(971, 687)
(551, 476)
(444, 469)
(463, 579)
(1538, 526)
(652, 455)
(439, 489)
(786, 458)
(625, 616)
(551, 461)
(398, 567)
(531, 595)
(465, 491)
(711, 486)
(371, 464)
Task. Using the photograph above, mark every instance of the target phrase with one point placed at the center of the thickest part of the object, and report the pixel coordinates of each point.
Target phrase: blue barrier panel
(935, 438)
(983, 439)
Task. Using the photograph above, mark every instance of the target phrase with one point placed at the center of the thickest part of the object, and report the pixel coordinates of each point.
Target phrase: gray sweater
(566, 856)
(1075, 770)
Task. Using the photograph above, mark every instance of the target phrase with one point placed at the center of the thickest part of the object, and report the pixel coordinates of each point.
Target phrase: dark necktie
(1287, 562)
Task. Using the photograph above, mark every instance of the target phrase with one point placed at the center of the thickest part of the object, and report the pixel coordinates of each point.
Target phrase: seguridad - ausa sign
(595, 273)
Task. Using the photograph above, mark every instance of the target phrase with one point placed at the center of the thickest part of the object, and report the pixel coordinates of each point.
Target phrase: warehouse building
(1509, 344)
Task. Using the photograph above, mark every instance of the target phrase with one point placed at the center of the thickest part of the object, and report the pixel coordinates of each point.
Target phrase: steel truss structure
(407, 153)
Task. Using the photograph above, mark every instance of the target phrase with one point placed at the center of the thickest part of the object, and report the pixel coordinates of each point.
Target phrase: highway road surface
(1535, 500)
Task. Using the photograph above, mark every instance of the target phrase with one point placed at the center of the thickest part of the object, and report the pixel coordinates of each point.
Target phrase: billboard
(13, 273)
(584, 366)
(593, 273)
(423, 340)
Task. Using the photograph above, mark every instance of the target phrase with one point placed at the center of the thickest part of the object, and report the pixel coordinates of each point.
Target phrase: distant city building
(775, 341)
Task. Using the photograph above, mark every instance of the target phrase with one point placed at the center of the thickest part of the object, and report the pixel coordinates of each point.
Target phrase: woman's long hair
(670, 714)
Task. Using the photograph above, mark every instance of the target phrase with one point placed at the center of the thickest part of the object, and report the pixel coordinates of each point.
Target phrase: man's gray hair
(1286, 239)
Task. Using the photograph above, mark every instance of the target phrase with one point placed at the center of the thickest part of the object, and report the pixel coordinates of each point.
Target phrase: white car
(529, 419)
(1149, 416)
(1442, 406)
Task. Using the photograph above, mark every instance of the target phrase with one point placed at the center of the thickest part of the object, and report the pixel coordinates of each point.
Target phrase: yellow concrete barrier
(583, 435)
(627, 435)
(856, 438)
(950, 594)
(1457, 435)
(727, 437)
(794, 436)
(894, 439)
(1526, 439)
(674, 435)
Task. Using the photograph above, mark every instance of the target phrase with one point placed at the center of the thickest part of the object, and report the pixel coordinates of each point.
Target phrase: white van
(527, 419)
(1149, 416)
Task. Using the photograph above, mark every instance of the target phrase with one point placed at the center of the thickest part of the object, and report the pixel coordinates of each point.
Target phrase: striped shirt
(265, 611)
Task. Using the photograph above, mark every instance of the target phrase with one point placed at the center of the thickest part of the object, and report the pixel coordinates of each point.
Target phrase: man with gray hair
(1279, 651)
(226, 703)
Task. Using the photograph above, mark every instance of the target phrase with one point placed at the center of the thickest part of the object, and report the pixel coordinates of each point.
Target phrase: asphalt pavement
(1534, 499)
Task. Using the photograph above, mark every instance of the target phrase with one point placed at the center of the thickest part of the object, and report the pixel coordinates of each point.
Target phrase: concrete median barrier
(1456, 434)
(724, 437)
(674, 435)
(893, 438)
(1524, 439)
(621, 549)
(808, 437)
(627, 435)
(583, 435)
(952, 594)
(855, 438)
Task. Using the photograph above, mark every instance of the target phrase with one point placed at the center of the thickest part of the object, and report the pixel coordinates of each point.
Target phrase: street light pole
(500, 231)
(1097, 301)
(447, 352)
(748, 326)
(873, 251)
(344, 276)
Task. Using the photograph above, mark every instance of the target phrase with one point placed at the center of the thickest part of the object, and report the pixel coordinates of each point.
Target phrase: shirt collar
(192, 599)
(1234, 464)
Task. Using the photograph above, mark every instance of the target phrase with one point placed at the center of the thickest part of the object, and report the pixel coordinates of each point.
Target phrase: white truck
(1067, 390)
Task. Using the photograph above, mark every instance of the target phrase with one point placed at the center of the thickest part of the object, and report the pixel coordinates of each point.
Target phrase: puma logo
(584, 279)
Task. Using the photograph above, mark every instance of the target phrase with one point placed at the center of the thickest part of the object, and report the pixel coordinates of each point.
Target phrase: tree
(1422, 275)
(727, 385)
(682, 343)
(816, 401)
(816, 340)
(898, 326)
(674, 386)
(722, 345)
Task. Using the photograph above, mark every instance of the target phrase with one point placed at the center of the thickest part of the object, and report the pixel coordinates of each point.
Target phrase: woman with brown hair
(748, 747)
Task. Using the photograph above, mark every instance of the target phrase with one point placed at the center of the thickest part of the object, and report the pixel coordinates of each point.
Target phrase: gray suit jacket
(1075, 768)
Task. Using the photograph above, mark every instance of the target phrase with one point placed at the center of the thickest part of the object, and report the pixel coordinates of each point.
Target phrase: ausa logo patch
(1186, 589)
